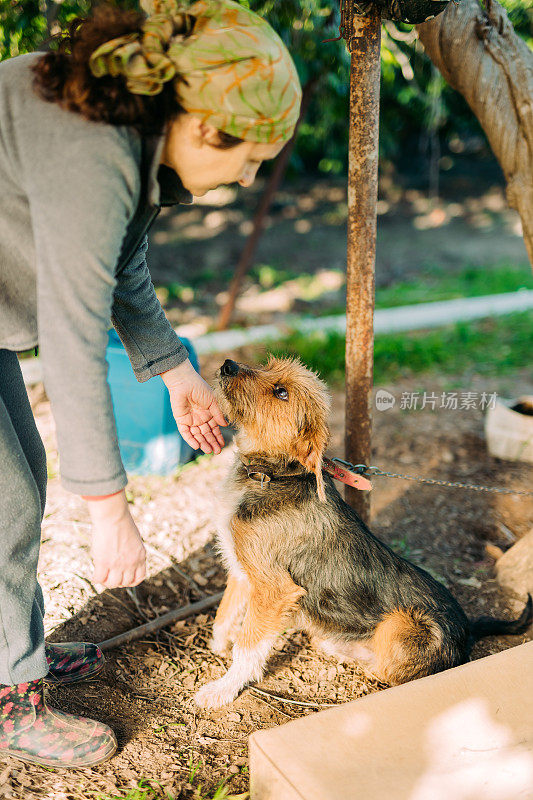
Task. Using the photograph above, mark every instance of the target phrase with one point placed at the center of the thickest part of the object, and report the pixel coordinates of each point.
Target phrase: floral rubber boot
(69, 662)
(32, 731)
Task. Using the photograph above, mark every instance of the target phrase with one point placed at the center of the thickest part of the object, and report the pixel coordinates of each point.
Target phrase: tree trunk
(478, 52)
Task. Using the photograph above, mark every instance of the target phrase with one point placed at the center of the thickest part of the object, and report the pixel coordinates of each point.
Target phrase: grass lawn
(469, 282)
(489, 346)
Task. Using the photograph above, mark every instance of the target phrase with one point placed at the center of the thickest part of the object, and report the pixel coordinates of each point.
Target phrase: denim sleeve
(150, 341)
(79, 224)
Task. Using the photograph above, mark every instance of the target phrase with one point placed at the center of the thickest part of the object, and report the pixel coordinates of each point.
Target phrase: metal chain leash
(363, 469)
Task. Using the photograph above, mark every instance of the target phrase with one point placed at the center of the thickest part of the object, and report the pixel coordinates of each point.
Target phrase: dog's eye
(280, 392)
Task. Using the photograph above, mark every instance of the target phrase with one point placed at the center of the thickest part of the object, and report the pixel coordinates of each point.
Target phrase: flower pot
(509, 429)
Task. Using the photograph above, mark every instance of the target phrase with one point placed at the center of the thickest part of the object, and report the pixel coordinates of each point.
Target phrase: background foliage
(420, 114)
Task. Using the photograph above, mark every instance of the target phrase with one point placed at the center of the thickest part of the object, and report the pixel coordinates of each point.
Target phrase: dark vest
(172, 192)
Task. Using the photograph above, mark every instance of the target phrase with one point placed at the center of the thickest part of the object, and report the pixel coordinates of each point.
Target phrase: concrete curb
(386, 320)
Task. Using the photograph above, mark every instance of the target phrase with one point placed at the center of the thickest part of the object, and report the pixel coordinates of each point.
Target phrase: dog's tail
(489, 626)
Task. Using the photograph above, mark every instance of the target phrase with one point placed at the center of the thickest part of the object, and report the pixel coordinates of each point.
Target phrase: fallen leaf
(469, 582)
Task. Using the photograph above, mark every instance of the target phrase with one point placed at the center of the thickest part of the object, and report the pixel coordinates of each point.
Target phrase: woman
(134, 111)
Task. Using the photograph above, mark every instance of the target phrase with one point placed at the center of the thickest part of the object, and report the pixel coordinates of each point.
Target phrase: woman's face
(191, 151)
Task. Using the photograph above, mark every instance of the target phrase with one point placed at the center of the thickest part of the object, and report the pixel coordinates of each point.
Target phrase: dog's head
(280, 410)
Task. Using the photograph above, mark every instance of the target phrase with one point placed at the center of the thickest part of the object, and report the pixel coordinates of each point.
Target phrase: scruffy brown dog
(298, 556)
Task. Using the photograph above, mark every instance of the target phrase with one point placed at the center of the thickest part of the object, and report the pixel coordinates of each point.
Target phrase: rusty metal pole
(364, 46)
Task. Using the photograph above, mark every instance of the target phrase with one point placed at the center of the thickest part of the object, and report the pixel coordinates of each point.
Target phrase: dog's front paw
(215, 694)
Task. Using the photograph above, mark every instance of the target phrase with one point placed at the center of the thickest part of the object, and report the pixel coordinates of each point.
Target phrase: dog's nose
(229, 368)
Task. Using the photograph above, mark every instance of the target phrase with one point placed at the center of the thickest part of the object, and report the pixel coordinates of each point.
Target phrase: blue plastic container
(149, 441)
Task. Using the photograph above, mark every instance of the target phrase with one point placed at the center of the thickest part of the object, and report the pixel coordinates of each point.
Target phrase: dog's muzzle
(229, 369)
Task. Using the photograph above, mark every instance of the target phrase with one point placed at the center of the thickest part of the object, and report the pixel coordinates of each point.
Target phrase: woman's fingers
(114, 578)
(217, 432)
(187, 435)
(201, 436)
(140, 574)
(211, 441)
(128, 577)
(218, 416)
(202, 441)
(100, 574)
(120, 576)
(204, 431)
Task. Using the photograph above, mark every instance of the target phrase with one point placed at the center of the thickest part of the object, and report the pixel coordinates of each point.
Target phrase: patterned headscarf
(229, 67)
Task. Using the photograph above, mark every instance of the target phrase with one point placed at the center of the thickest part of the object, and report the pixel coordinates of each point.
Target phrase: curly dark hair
(63, 76)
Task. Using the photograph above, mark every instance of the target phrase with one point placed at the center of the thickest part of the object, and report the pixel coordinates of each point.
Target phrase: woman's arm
(154, 349)
(81, 200)
(150, 341)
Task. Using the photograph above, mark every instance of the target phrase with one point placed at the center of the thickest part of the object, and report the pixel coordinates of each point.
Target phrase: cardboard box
(463, 734)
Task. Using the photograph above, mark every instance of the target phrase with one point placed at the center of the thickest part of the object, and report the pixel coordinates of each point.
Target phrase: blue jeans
(22, 500)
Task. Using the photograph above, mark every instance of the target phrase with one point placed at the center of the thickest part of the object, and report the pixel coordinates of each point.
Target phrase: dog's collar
(260, 471)
(264, 473)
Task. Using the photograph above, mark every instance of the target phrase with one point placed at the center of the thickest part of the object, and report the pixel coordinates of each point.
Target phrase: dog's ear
(310, 448)
(313, 462)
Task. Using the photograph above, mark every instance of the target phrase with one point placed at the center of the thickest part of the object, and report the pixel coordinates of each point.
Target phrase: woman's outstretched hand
(195, 408)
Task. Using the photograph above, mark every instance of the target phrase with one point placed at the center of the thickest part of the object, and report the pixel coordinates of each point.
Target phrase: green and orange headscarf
(229, 67)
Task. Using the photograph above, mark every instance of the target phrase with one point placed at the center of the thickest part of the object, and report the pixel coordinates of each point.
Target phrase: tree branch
(479, 53)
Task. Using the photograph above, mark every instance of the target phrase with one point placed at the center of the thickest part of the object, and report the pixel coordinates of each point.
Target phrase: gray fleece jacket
(76, 200)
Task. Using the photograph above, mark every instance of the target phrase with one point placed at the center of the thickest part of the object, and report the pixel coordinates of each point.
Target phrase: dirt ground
(146, 691)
